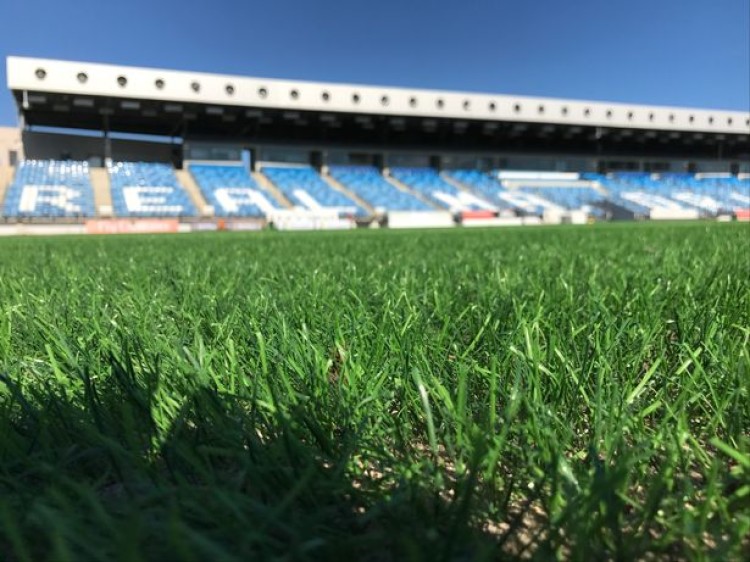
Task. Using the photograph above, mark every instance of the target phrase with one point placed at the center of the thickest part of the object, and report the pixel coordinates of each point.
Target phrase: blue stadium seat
(431, 184)
(712, 195)
(532, 200)
(142, 189)
(232, 191)
(640, 192)
(50, 189)
(481, 183)
(570, 198)
(304, 187)
(369, 184)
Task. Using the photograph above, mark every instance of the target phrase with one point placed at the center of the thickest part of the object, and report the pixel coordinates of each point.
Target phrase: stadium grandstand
(103, 148)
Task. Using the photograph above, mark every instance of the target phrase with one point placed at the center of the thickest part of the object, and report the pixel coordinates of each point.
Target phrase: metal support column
(107, 140)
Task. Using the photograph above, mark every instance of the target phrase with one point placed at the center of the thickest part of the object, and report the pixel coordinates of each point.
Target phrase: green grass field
(572, 393)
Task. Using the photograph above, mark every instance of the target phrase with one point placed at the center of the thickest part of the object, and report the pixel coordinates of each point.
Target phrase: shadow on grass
(128, 469)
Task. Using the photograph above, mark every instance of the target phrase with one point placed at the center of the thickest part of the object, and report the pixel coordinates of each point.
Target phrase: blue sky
(673, 52)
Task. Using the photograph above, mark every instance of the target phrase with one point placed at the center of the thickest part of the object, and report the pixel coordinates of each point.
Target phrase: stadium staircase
(413, 192)
(597, 185)
(102, 193)
(269, 186)
(335, 184)
(188, 182)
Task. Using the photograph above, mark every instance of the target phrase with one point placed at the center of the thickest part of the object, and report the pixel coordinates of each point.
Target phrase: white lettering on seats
(140, 199)
(59, 196)
(232, 198)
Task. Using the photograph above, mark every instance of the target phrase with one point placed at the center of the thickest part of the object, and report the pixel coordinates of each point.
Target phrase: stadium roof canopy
(194, 105)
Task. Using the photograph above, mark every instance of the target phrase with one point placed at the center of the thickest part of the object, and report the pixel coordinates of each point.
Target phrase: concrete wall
(10, 142)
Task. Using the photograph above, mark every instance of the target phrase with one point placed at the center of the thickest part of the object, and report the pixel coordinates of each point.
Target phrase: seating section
(369, 184)
(712, 195)
(533, 196)
(569, 198)
(645, 204)
(641, 193)
(50, 188)
(232, 191)
(304, 187)
(480, 182)
(63, 189)
(430, 183)
(148, 190)
(529, 202)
